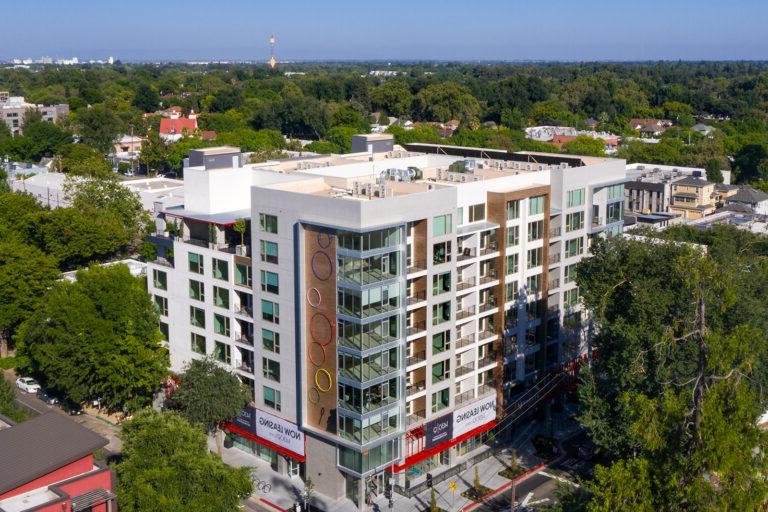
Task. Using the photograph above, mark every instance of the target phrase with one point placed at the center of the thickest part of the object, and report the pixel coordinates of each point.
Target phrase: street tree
(83, 160)
(8, 407)
(209, 395)
(96, 337)
(166, 466)
(98, 127)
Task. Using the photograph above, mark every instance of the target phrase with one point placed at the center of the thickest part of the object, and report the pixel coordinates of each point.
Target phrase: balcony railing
(417, 266)
(553, 311)
(245, 367)
(485, 334)
(465, 340)
(487, 306)
(597, 221)
(412, 389)
(465, 313)
(418, 357)
(465, 283)
(465, 396)
(466, 253)
(486, 361)
(554, 258)
(416, 328)
(554, 284)
(244, 338)
(489, 249)
(486, 389)
(416, 297)
(465, 369)
(245, 311)
(416, 417)
(555, 232)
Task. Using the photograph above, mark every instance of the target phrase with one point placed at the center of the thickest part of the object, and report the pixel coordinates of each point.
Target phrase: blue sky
(383, 30)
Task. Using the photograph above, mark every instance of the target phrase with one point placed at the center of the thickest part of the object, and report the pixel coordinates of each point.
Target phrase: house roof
(40, 445)
(562, 139)
(692, 181)
(736, 207)
(208, 135)
(725, 187)
(174, 126)
(702, 127)
(748, 195)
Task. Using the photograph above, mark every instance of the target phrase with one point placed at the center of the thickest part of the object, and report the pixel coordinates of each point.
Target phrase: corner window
(159, 279)
(268, 223)
(477, 212)
(220, 269)
(441, 225)
(196, 290)
(198, 343)
(535, 205)
(575, 198)
(196, 263)
(513, 209)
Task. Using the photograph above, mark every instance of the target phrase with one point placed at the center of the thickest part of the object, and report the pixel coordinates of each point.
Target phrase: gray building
(373, 143)
(13, 108)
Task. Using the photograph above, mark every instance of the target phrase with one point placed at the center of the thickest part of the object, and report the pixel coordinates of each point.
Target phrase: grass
(512, 473)
(6, 363)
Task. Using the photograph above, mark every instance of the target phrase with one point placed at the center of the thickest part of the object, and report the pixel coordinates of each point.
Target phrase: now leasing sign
(280, 432)
(474, 415)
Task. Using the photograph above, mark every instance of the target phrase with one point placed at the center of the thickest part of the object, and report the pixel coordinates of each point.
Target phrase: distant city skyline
(491, 30)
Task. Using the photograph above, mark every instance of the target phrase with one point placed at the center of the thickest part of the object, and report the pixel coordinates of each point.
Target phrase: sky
(466, 30)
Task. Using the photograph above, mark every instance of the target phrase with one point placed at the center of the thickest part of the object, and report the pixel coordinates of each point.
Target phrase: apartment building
(384, 307)
(13, 108)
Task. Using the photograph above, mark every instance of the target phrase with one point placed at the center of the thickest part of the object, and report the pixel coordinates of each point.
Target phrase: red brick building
(47, 465)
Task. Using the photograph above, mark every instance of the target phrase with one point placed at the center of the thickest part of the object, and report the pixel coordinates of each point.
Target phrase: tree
(625, 486)
(433, 501)
(98, 127)
(146, 98)
(25, 275)
(585, 145)
(97, 337)
(714, 174)
(8, 405)
(240, 227)
(751, 163)
(40, 139)
(445, 101)
(82, 160)
(166, 466)
(15, 208)
(210, 396)
(394, 98)
(341, 136)
(155, 152)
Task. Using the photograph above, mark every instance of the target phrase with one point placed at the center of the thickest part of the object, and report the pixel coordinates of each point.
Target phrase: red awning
(425, 454)
(253, 437)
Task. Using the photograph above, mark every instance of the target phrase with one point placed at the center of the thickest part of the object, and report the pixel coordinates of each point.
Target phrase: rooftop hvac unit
(478, 178)
(527, 167)
(563, 165)
(439, 174)
(463, 178)
(382, 191)
(470, 164)
(356, 189)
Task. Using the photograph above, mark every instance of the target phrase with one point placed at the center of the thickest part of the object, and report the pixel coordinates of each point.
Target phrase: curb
(491, 494)
(269, 503)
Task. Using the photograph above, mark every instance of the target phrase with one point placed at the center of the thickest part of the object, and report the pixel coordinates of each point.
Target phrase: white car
(27, 384)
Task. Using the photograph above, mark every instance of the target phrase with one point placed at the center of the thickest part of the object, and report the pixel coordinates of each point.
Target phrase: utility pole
(512, 506)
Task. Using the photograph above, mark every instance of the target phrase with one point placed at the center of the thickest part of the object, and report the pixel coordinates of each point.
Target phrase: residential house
(692, 197)
(755, 199)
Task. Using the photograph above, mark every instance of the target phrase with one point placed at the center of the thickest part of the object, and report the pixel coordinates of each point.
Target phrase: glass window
(270, 282)
(160, 279)
(440, 371)
(533, 283)
(512, 263)
(571, 297)
(441, 253)
(459, 216)
(535, 257)
(196, 263)
(574, 247)
(574, 221)
(616, 191)
(535, 205)
(221, 324)
(441, 342)
(222, 352)
(441, 283)
(513, 236)
(570, 273)
(272, 398)
(243, 274)
(477, 212)
(197, 290)
(270, 311)
(268, 251)
(221, 297)
(268, 223)
(535, 230)
(441, 313)
(197, 317)
(614, 212)
(220, 269)
(161, 305)
(575, 198)
(440, 400)
(198, 343)
(513, 209)
(164, 330)
(270, 340)
(441, 225)
(510, 291)
(270, 369)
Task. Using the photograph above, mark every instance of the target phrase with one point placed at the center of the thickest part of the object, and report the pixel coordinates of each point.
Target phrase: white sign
(280, 432)
(474, 415)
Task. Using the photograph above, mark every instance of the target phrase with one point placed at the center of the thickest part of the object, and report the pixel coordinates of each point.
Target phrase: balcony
(597, 221)
(465, 397)
(465, 313)
(489, 277)
(465, 369)
(553, 311)
(554, 258)
(465, 341)
(416, 297)
(466, 254)
(486, 389)
(483, 335)
(244, 367)
(412, 389)
(416, 328)
(245, 311)
(465, 283)
(244, 338)
(554, 284)
(555, 232)
(487, 361)
(489, 249)
(416, 417)
(416, 358)
(487, 306)
(417, 266)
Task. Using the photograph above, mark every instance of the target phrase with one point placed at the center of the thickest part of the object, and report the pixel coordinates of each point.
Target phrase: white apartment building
(383, 307)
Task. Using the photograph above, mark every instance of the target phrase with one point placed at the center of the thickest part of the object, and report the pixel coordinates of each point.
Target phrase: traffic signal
(429, 480)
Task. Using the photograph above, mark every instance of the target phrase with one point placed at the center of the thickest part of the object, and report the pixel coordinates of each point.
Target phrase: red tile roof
(177, 126)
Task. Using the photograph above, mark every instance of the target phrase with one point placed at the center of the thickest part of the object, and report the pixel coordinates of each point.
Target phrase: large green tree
(146, 98)
(585, 145)
(209, 395)
(97, 337)
(82, 160)
(446, 101)
(166, 467)
(98, 127)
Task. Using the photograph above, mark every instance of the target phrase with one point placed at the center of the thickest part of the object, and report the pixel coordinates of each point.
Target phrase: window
(574, 247)
(570, 273)
(161, 305)
(270, 340)
(272, 398)
(441, 225)
(220, 269)
(243, 275)
(164, 330)
(268, 251)
(477, 212)
(196, 263)
(510, 291)
(513, 209)
(533, 283)
(535, 205)
(198, 343)
(268, 223)
(221, 297)
(222, 352)
(571, 297)
(270, 282)
(535, 230)
(459, 216)
(196, 290)
(512, 263)
(270, 369)
(614, 212)
(197, 317)
(441, 342)
(616, 191)
(440, 400)
(221, 324)
(270, 311)
(441, 283)
(574, 221)
(441, 253)
(441, 313)
(513, 236)
(575, 198)
(535, 257)
(160, 279)
(440, 371)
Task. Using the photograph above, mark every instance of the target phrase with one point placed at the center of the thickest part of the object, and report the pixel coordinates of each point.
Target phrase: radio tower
(272, 61)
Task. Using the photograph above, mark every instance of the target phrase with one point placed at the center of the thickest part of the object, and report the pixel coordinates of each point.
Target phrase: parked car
(47, 397)
(72, 408)
(27, 384)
